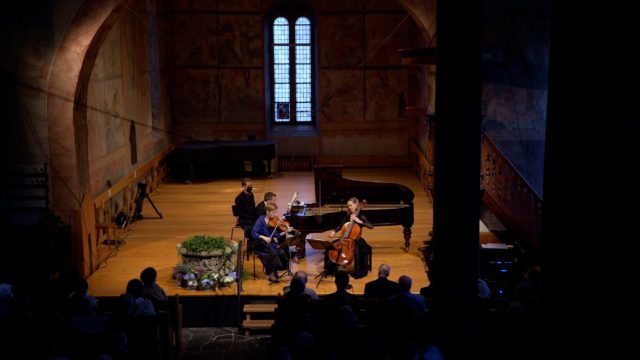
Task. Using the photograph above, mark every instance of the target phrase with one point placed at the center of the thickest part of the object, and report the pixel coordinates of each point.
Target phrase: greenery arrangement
(207, 262)
(204, 245)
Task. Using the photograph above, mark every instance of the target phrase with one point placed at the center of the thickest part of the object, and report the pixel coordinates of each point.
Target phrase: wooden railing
(508, 195)
(100, 211)
(504, 191)
(424, 170)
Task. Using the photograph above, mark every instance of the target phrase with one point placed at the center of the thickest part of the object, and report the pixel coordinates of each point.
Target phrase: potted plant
(207, 262)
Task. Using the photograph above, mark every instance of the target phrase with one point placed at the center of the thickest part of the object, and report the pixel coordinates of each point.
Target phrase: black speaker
(122, 220)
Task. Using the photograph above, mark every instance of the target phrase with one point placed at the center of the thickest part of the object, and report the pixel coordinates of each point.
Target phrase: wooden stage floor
(205, 209)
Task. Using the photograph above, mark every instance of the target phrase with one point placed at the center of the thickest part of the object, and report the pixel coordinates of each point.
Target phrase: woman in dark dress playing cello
(349, 231)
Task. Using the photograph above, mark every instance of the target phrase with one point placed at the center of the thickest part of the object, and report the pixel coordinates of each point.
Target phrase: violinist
(265, 240)
(354, 214)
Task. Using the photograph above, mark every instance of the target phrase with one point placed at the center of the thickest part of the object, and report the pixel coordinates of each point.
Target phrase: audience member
(382, 287)
(416, 301)
(308, 291)
(134, 301)
(150, 288)
(341, 297)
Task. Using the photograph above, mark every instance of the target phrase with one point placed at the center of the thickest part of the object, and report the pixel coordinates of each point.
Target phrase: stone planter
(213, 262)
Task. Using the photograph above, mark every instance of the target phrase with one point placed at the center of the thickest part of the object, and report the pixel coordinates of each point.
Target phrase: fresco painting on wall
(341, 37)
(197, 98)
(341, 96)
(385, 95)
(242, 95)
(194, 4)
(337, 5)
(381, 47)
(239, 5)
(195, 39)
(241, 39)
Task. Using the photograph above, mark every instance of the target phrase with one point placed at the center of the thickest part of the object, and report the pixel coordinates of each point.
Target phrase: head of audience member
(6, 298)
(80, 288)
(301, 275)
(269, 197)
(297, 286)
(88, 305)
(383, 271)
(405, 283)
(341, 280)
(247, 185)
(484, 292)
(134, 288)
(148, 276)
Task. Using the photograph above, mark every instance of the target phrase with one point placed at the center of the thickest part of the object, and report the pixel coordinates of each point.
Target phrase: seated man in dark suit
(269, 198)
(342, 296)
(382, 287)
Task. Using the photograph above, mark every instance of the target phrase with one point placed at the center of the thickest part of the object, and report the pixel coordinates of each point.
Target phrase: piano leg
(300, 243)
(407, 237)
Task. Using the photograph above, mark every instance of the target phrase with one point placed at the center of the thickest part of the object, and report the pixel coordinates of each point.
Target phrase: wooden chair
(234, 211)
(249, 249)
(104, 226)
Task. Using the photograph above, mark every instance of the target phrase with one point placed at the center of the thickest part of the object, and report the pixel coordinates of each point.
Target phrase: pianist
(269, 198)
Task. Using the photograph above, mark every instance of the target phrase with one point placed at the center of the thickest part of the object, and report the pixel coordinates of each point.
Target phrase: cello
(343, 248)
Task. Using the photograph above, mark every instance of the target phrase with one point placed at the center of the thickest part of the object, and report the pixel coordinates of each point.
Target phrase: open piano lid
(332, 188)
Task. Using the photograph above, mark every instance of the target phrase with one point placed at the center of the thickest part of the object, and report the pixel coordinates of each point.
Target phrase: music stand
(321, 245)
(288, 269)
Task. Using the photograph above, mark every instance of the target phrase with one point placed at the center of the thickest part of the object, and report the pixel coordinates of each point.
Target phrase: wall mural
(195, 39)
(341, 96)
(386, 99)
(241, 93)
(241, 38)
(381, 50)
(193, 4)
(196, 95)
(340, 41)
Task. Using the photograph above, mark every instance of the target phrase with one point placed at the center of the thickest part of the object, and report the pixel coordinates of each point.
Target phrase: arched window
(291, 67)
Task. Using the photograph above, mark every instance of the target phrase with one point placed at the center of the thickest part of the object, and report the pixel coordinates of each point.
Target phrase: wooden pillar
(456, 183)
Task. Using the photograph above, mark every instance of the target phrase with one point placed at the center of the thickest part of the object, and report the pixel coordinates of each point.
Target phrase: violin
(282, 225)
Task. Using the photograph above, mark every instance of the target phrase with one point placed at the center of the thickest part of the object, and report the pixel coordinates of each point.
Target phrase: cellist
(354, 217)
(354, 214)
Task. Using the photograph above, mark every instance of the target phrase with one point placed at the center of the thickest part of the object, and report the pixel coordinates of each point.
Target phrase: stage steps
(264, 317)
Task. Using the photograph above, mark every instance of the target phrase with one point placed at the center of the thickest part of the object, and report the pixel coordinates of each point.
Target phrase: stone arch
(424, 14)
(66, 100)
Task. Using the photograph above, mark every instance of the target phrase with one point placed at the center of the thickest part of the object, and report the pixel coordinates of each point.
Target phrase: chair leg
(254, 266)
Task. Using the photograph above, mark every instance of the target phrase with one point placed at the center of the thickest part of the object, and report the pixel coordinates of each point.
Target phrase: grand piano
(385, 203)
